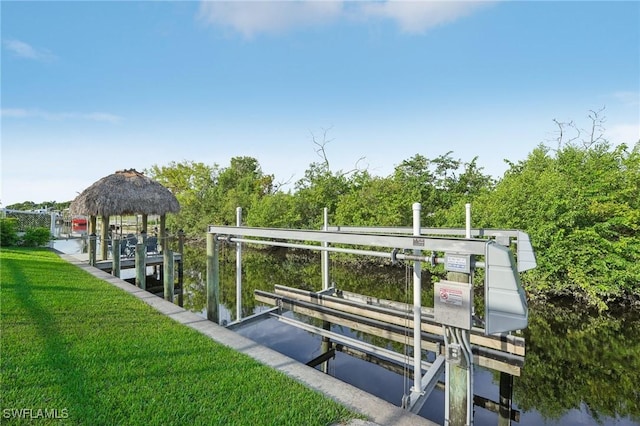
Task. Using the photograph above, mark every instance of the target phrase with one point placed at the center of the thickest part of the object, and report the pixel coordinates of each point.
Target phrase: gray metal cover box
(453, 303)
(505, 301)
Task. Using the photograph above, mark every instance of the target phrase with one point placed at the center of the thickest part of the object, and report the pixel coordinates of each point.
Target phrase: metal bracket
(394, 259)
(406, 401)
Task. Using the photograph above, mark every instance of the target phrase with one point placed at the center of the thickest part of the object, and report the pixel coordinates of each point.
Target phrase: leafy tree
(578, 206)
(240, 185)
(210, 194)
(318, 189)
(191, 183)
(277, 210)
(375, 202)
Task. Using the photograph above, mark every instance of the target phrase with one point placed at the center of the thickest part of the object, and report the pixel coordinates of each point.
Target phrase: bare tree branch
(280, 184)
(563, 128)
(597, 127)
(356, 167)
(322, 153)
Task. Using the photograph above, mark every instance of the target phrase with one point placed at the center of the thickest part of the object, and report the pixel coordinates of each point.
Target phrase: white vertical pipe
(52, 230)
(238, 268)
(468, 220)
(325, 254)
(417, 306)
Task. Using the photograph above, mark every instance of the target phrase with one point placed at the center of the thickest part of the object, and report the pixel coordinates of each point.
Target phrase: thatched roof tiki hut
(126, 192)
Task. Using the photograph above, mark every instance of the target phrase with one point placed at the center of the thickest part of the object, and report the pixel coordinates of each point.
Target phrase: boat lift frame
(400, 247)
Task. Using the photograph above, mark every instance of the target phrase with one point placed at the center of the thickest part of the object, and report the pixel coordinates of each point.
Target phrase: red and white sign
(451, 296)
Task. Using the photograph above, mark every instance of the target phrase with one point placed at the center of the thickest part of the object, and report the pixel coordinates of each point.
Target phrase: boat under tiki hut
(126, 192)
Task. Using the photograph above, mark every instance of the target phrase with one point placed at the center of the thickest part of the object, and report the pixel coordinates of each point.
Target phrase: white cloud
(57, 116)
(628, 98)
(25, 50)
(624, 133)
(420, 16)
(252, 17)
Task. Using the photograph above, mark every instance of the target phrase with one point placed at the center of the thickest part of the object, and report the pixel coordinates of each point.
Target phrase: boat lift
(506, 307)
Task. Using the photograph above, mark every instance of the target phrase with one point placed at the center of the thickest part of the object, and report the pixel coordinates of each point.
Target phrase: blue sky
(89, 88)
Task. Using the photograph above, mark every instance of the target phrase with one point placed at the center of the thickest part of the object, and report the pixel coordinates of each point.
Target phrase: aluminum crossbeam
(429, 382)
(348, 341)
(526, 256)
(405, 242)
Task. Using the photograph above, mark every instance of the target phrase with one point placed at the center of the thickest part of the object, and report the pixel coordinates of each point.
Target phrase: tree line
(577, 197)
(579, 202)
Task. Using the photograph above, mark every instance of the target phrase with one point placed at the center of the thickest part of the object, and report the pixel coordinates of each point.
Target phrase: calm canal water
(580, 368)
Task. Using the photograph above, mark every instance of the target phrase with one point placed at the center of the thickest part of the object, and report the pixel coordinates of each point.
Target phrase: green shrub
(35, 237)
(8, 232)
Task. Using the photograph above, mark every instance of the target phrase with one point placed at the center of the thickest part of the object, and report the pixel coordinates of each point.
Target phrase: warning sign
(451, 296)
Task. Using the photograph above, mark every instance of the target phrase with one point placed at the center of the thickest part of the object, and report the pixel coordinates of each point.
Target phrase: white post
(238, 268)
(417, 307)
(468, 220)
(52, 229)
(325, 254)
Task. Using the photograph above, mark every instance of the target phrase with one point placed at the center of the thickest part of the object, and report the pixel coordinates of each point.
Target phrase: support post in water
(115, 268)
(450, 299)
(168, 266)
(238, 268)
(417, 306)
(141, 266)
(325, 254)
(213, 278)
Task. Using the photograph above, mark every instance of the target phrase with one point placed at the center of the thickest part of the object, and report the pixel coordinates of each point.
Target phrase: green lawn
(73, 343)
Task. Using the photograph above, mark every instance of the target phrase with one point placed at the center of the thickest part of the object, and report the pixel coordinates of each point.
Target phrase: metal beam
(525, 253)
(405, 242)
(348, 341)
(485, 357)
(429, 382)
(237, 324)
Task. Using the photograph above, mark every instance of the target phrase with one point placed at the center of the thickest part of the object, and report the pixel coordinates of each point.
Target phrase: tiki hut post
(145, 219)
(92, 232)
(164, 245)
(92, 224)
(104, 237)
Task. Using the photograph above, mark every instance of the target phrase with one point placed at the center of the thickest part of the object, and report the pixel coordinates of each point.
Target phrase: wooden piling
(141, 266)
(162, 237)
(104, 237)
(458, 397)
(115, 269)
(168, 266)
(92, 249)
(213, 279)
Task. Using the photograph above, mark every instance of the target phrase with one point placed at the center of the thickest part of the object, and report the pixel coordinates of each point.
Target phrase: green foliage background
(579, 204)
